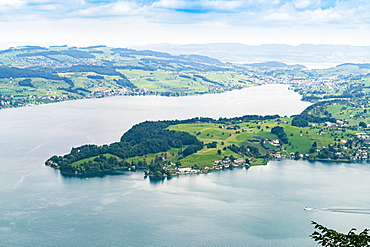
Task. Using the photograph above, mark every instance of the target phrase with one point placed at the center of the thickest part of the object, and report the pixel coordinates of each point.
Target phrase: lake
(261, 206)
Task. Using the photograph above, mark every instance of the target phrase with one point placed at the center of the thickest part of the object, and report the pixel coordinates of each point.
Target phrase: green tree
(232, 158)
(279, 131)
(331, 238)
(299, 122)
(178, 164)
(362, 124)
(158, 174)
(296, 155)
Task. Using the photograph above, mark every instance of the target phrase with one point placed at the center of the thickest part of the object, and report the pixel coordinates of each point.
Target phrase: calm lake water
(262, 206)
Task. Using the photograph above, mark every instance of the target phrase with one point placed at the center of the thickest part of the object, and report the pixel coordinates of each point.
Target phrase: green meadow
(171, 155)
(300, 139)
(79, 162)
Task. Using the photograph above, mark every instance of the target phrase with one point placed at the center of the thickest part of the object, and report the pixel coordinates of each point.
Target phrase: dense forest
(315, 113)
(142, 139)
(72, 53)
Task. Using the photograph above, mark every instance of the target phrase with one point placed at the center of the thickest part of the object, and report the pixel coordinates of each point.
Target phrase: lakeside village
(308, 87)
(352, 150)
(347, 149)
(217, 165)
(33, 96)
(354, 147)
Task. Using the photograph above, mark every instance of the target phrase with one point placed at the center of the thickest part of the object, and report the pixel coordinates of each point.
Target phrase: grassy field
(354, 113)
(224, 137)
(164, 81)
(202, 158)
(155, 81)
(151, 72)
(300, 139)
(171, 155)
(79, 162)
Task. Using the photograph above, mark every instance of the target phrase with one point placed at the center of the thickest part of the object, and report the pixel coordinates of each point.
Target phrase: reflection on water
(156, 180)
(101, 174)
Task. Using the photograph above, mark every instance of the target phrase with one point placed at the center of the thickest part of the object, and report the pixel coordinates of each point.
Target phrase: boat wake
(341, 210)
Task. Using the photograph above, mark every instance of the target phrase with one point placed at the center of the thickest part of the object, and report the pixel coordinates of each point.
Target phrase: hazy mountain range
(313, 56)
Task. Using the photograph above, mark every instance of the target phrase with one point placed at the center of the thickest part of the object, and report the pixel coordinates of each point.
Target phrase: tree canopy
(331, 238)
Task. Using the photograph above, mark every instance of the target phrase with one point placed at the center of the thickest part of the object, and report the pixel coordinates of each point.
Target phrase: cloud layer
(191, 16)
(263, 11)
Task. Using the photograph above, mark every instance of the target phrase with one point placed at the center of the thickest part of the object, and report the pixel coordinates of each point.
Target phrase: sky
(121, 23)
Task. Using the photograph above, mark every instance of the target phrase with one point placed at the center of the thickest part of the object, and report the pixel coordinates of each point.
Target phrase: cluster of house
(362, 147)
(216, 165)
(361, 154)
(363, 136)
(275, 142)
(292, 155)
(44, 61)
(306, 83)
(105, 93)
(360, 150)
(227, 163)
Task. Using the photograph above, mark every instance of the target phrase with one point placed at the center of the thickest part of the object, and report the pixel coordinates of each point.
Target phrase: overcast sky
(124, 23)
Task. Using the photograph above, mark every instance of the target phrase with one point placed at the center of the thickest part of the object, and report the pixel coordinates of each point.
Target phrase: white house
(184, 169)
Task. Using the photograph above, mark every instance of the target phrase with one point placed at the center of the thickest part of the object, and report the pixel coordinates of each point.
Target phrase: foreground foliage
(331, 238)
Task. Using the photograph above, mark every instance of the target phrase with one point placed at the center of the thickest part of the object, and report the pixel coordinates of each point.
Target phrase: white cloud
(122, 8)
(303, 4)
(49, 7)
(199, 4)
(222, 5)
(126, 31)
(170, 4)
(280, 17)
(38, 1)
(11, 4)
(288, 14)
(112, 9)
(323, 15)
(67, 2)
(134, 21)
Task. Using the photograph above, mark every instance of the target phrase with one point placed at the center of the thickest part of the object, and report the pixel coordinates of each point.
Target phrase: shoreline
(151, 94)
(121, 171)
(142, 92)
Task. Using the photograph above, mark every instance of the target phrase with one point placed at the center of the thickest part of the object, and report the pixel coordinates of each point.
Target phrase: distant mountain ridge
(64, 56)
(301, 54)
(274, 64)
(360, 65)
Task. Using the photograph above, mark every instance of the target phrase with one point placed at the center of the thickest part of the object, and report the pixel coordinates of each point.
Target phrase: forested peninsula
(332, 130)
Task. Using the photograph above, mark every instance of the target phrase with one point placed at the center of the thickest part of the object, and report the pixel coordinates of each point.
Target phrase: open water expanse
(262, 206)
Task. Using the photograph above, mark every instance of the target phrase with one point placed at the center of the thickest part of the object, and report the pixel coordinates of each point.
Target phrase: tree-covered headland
(333, 131)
